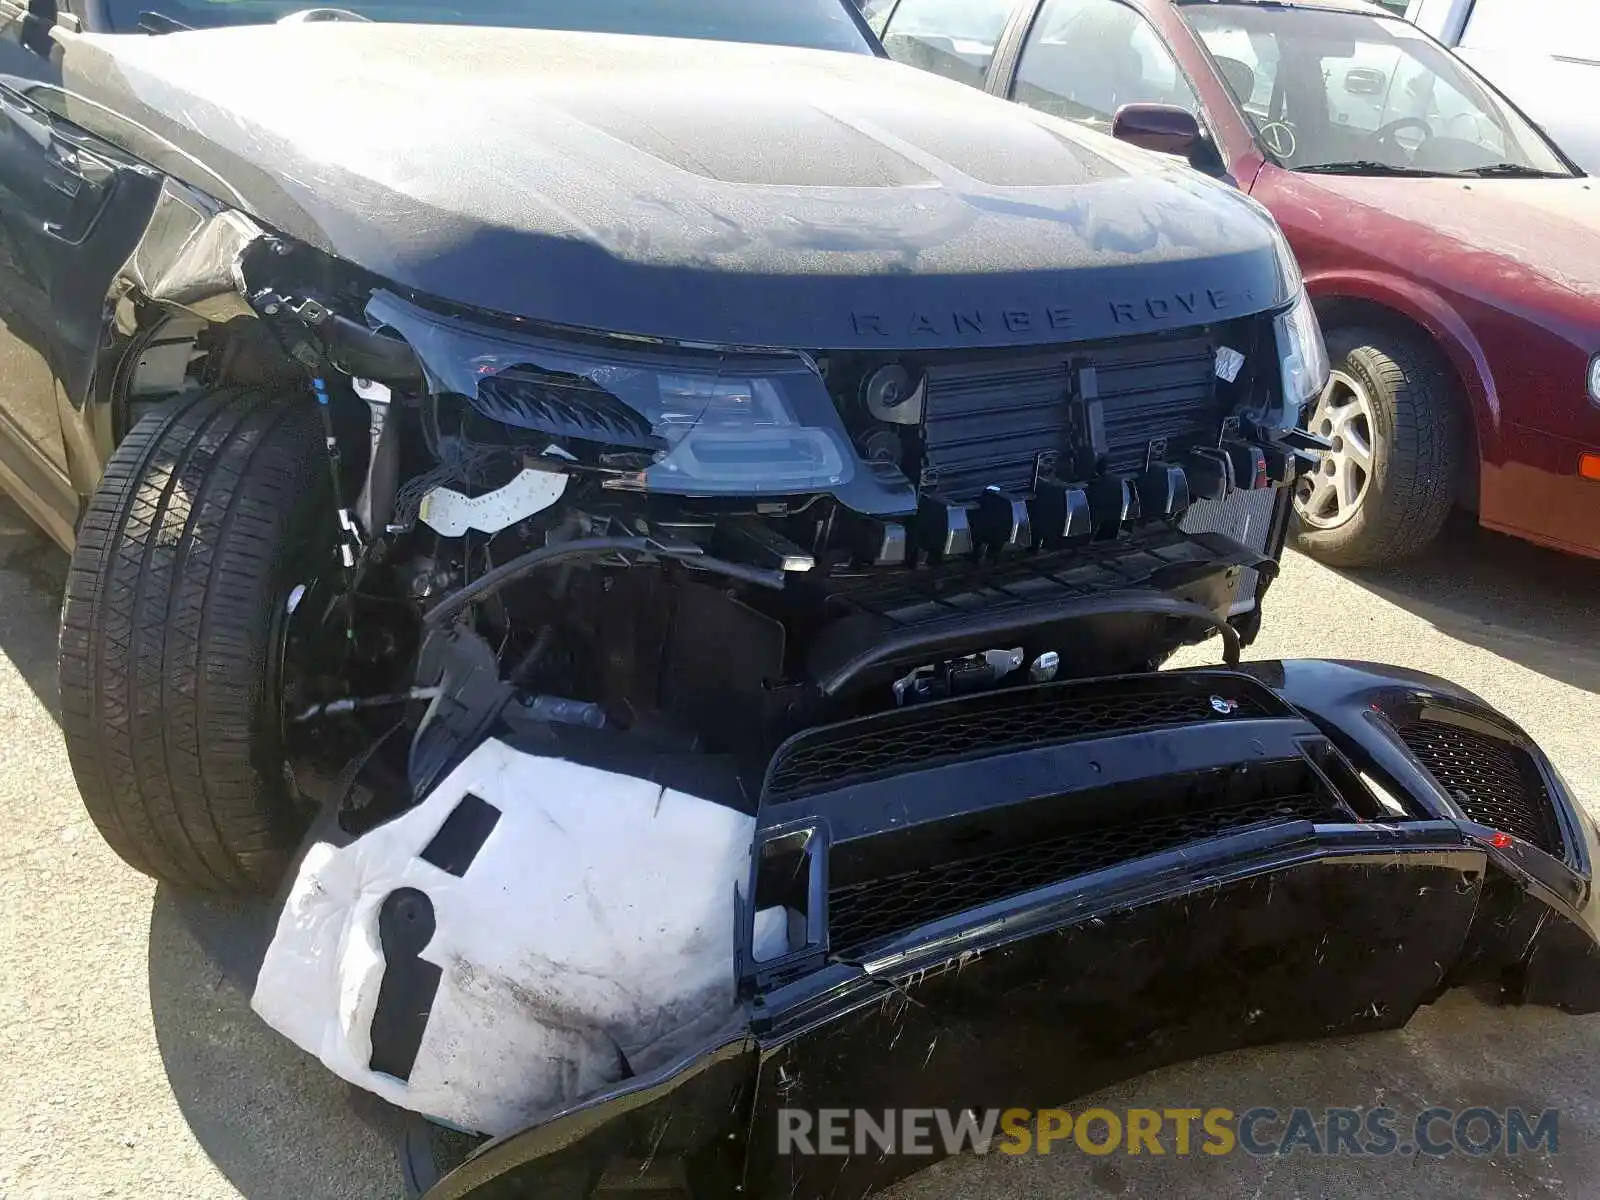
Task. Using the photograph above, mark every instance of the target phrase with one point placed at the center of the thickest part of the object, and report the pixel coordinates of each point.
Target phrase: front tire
(1397, 425)
(209, 514)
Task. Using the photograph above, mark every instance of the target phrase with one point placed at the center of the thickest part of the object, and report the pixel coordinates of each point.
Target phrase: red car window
(1084, 59)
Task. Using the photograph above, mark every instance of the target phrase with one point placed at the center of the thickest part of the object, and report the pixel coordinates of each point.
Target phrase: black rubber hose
(523, 671)
(491, 582)
(360, 352)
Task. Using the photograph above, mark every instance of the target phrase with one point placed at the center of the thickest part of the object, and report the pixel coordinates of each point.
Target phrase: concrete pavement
(133, 1065)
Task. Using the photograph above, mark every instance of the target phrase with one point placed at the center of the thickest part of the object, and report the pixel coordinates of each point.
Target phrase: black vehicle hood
(690, 190)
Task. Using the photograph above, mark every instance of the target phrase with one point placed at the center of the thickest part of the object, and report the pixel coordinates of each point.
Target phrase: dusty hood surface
(695, 190)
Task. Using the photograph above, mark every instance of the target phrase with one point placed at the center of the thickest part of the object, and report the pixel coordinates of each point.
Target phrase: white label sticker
(1229, 364)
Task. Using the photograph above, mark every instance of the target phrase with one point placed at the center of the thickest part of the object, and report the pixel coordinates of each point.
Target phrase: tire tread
(1412, 494)
(182, 555)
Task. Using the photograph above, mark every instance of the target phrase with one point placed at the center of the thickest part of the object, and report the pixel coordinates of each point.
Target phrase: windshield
(818, 24)
(1348, 93)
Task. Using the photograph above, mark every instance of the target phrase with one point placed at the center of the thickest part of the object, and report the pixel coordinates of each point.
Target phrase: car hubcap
(1333, 493)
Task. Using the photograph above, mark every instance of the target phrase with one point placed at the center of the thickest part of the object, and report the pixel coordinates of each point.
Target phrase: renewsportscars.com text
(1260, 1132)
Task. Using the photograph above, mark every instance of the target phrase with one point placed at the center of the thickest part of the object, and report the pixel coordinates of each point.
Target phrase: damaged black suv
(668, 526)
(393, 383)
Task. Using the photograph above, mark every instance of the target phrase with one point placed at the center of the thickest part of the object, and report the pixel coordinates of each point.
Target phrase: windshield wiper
(1366, 166)
(1513, 171)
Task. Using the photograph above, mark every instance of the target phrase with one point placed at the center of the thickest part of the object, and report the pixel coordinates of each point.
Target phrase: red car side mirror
(1168, 129)
(1164, 128)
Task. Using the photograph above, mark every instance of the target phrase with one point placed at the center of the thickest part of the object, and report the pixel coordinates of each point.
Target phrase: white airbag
(596, 920)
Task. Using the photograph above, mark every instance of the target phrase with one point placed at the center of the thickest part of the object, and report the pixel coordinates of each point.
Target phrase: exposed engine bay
(713, 551)
(585, 588)
(1027, 425)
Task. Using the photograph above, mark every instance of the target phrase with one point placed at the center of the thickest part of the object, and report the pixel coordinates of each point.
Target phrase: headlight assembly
(703, 422)
(1302, 354)
(1302, 357)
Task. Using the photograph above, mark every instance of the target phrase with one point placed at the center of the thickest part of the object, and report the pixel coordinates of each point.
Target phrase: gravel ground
(134, 1066)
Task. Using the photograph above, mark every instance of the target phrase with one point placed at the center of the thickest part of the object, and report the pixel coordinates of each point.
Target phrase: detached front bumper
(1018, 898)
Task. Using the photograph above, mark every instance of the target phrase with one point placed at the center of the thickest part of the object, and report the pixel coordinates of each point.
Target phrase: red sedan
(1453, 251)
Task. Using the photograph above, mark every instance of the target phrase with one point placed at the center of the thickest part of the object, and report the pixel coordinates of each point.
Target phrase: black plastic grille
(988, 724)
(1247, 518)
(864, 912)
(1157, 557)
(988, 420)
(1164, 389)
(1495, 782)
(561, 405)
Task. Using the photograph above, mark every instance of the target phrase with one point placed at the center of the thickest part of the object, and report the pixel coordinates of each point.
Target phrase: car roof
(1361, 7)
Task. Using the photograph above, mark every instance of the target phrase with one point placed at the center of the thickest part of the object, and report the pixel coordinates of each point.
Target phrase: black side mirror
(1164, 128)
(1169, 129)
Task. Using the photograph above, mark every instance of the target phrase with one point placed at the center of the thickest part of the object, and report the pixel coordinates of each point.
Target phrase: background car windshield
(1333, 90)
(819, 24)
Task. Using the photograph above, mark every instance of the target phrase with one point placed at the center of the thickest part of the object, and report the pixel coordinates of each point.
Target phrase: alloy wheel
(1331, 495)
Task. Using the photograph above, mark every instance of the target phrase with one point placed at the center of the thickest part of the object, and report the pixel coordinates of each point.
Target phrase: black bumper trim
(1282, 931)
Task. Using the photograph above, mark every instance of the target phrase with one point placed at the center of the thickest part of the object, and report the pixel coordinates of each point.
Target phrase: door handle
(58, 182)
(75, 167)
(19, 108)
(85, 181)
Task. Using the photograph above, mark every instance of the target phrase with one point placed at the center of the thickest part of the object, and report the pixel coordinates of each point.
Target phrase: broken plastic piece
(452, 513)
(487, 968)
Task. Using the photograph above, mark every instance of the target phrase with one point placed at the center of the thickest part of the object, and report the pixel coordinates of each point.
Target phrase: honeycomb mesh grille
(991, 724)
(1495, 782)
(861, 913)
